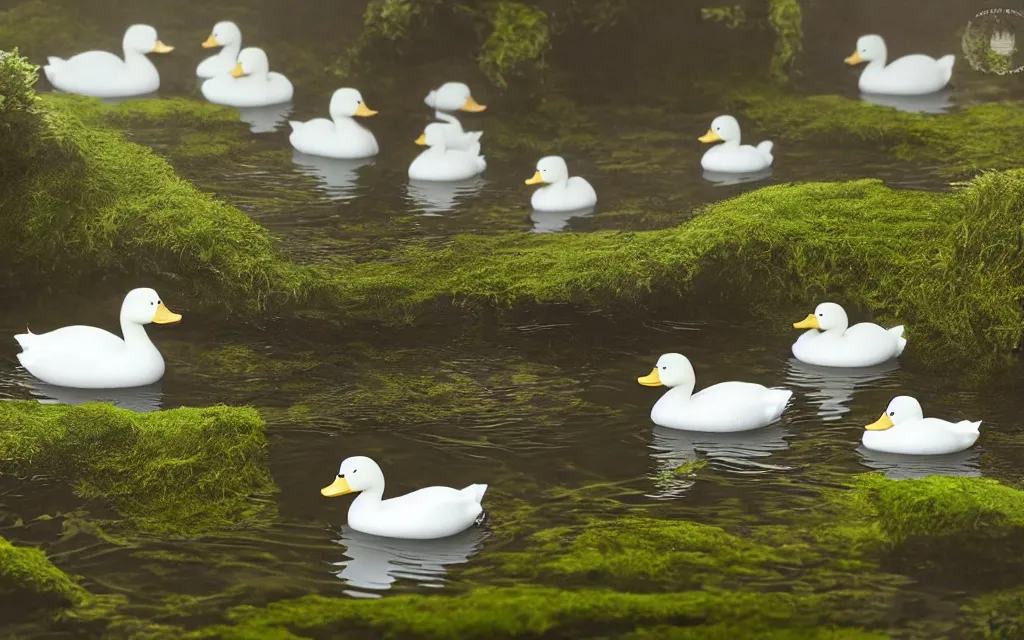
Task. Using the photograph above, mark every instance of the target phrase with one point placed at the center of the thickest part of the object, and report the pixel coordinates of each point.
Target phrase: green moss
(527, 612)
(975, 138)
(786, 20)
(995, 616)
(29, 580)
(731, 16)
(520, 34)
(179, 472)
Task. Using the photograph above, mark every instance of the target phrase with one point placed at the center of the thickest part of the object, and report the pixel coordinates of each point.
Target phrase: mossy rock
(29, 582)
(962, 142)
(181, 472)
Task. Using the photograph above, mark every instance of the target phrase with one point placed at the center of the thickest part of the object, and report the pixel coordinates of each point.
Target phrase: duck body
(273, 88)
(101, 74)
(924, 437)
(345, 139)
(560, 192)
(829, 343)
(440, 164)
(730, 156)
(90, 358)
(904, 430)
(455, 137)
(448, 98)
(217, 65)
(912, 75)
(721, 408)
(425, 514)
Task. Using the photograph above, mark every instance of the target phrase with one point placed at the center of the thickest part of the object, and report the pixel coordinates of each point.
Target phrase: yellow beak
(710, 136)
(422, 140)
(160, 47)
(810, 322)
(237, 71)
(211, 42)
(651, 380)
(338, 488)
(365, 111)
(164, 315)
(853, 59)
(536, 179)
(472, 105)
(881, 424)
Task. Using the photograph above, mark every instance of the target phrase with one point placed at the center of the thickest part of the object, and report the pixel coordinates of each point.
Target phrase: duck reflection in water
(139, 399)
(832, 388)
(724, 179)
(265, 119)
(964, 464)
(939, 102)
(375, 563)
(337, 177)
(436, 198)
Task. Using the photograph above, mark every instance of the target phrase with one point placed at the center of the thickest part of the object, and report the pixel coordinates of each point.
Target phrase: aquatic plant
(181, 472)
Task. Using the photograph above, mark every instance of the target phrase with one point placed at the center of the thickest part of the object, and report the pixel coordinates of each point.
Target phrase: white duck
(911, 75)
(90, 358)
(425, 514)
(560, 193)
(341, 136)
(829, 343)
(250, 83)
(903, 429)
(449, 97)
(440, 164)
(731, 156)
(724, 407)
(226, 35)
(102, 74)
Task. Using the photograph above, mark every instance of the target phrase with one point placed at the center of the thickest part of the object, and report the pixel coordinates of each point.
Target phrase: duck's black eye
(159, 301)
(354, 470)
(663, 368)
(341, 475)
(821, 315)
(892, 413)
(152, 304)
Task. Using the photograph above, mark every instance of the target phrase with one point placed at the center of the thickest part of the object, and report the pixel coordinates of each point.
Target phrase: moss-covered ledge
(182, 472)
(961, 142)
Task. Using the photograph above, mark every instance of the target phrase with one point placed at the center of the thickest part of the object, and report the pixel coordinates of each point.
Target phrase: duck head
(827, 316)
(143, 306)
(432, 136)
(357, 473)
(900, 409)
(141, 38)
(550, 169)
(869, 49)
(672, 370)
(454, 96)
(252, 61)
(723, 129)
(347, 103)
(224, 34)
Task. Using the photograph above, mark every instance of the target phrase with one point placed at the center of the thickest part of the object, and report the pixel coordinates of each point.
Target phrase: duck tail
(295, 124)
(968, 427)
(765, 149)
(476, 135)
(431, 99)
(901, 342)
(476, 492)
(946, 64)
(25, 339)
(481, 163)
(51, 69)
(781, 398)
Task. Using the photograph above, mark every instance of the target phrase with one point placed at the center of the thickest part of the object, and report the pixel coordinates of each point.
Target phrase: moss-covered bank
(179, 473)
(29, 581)
(80, 201)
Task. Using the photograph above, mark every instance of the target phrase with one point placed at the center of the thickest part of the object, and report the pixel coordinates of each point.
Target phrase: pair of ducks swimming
(830, 342)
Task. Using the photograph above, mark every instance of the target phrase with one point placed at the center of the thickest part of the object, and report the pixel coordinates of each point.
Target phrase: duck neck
(447, 117)
(345, 123)
(731, 144)
(877, 64)
(369, 497)
(136, 59)
(229, 52)
(837, 330)
(682, 391)
(135, 336)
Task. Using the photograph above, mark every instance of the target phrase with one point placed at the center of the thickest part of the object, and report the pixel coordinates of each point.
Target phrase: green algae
(181, 472)
(25, 571)
(978, 137)
(786, 21)
(731, 16)
(993, 616)
(520, 34)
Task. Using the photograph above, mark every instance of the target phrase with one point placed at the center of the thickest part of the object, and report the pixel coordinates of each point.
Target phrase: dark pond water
(532, 403)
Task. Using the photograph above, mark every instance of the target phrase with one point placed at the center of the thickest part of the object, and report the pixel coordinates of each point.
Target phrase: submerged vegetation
(182, 472)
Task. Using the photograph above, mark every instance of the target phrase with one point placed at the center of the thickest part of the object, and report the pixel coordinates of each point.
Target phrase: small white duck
(903, 429)
(731, 156)
(449, 97)
(440, 164)
(829, 343)
(229, 36)
(90, 358)
(561, 192)
(250, 83)
(911, 75)
(341, 136)
(425, 514)
(724, 407)
(102, 74)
